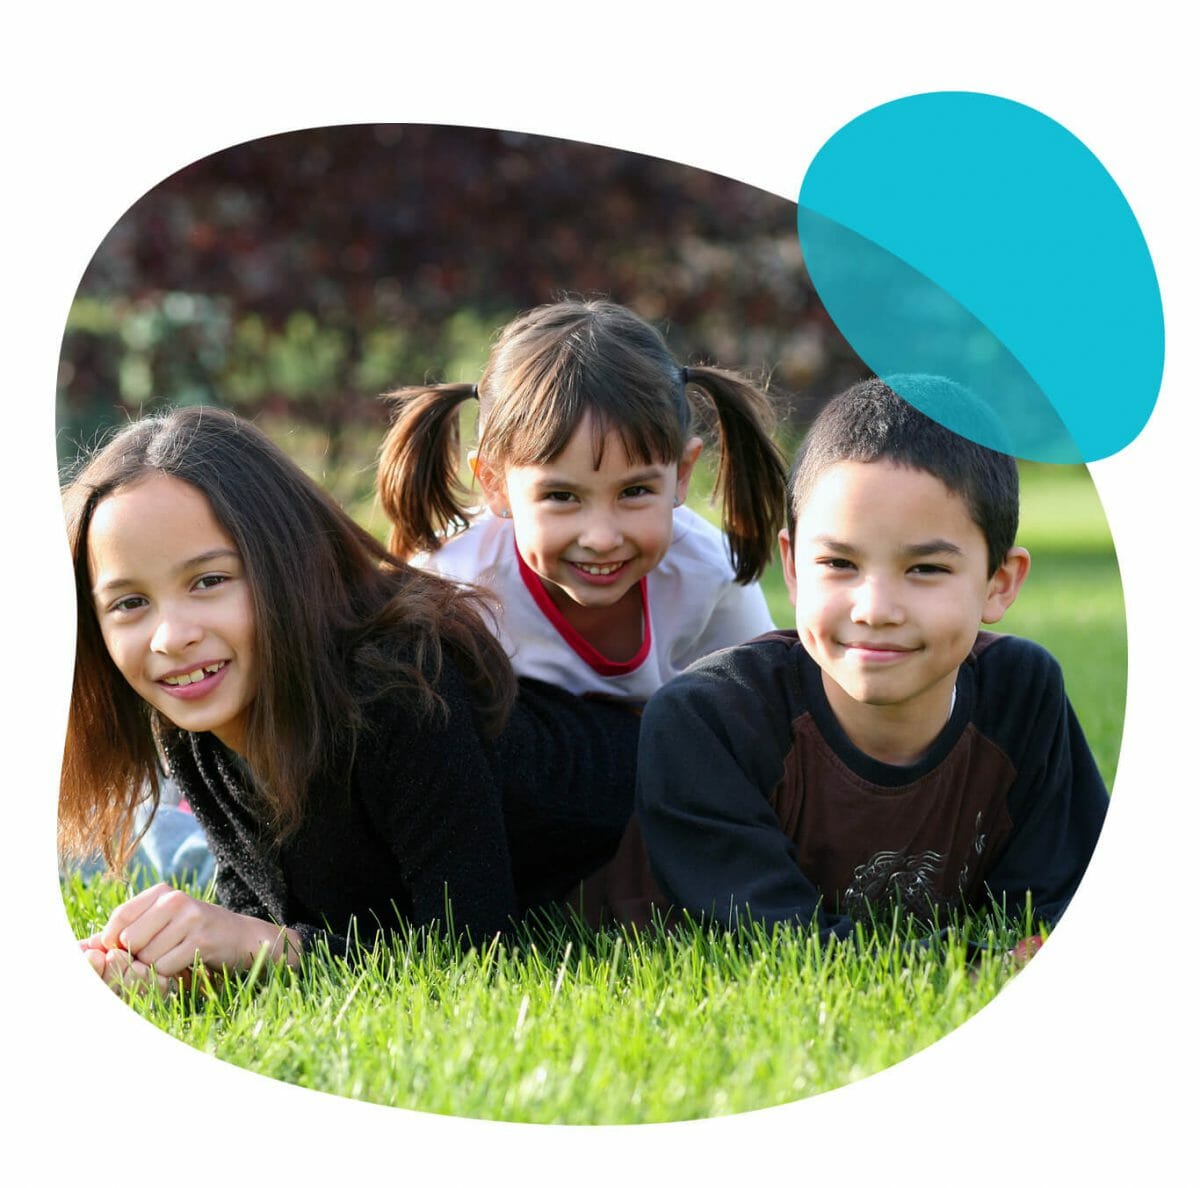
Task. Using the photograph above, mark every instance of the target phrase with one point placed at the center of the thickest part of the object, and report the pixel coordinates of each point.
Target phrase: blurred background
(298, 277)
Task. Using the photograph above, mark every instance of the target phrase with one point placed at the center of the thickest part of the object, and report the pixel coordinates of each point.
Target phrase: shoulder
(1011, 662)
(764, 673)
(737, 704)
(1019, 691)
(486, 541)
(399, 709)
(695, 543)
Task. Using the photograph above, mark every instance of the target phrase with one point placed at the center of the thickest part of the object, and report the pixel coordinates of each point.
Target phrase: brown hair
(550, 369)
(338, 622)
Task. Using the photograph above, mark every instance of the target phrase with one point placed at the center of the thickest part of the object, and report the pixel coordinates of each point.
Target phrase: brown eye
(209, 580)
(129, 603)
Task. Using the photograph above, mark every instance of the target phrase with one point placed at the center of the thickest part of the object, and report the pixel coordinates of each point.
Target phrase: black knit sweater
(430, 822)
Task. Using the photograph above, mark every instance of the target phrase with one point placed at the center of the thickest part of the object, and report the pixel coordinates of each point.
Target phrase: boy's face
(888, 575)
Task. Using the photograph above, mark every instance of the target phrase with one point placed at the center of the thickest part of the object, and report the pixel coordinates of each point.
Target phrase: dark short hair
(870, 422)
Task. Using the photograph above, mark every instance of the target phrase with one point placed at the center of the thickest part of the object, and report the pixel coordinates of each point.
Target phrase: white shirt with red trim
(692, 607)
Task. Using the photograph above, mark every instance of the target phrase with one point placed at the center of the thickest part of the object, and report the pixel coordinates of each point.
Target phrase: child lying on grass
(887, 749)
(346, 729)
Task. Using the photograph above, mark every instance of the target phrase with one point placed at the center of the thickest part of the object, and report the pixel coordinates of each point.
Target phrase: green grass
(567, 1027)
(564, 1026)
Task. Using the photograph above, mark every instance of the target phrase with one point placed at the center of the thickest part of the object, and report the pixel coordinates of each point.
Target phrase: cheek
(813, 603)
(531, 535)
(657, 541)
(120, 650)
(242, 625)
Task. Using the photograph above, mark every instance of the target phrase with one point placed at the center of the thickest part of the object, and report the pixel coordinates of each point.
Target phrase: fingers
(160, 926)
(170, 930)
(175, 945)
(110, 936)
(124, 974)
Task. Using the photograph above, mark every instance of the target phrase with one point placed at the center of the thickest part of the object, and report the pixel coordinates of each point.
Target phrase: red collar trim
(589, 655)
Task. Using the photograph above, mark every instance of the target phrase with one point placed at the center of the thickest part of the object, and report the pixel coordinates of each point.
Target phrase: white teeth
(600, 570)
(190, 678)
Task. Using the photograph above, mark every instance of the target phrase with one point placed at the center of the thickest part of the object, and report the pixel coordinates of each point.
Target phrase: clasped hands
(158, 936)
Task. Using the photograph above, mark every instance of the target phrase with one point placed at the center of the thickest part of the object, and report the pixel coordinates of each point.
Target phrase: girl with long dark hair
(346, 729)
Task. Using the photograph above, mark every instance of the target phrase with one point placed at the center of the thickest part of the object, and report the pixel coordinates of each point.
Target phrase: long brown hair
(551, 368)
(338, 622)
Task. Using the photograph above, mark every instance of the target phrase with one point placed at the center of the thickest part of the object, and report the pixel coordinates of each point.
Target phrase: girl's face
(173, 603)
(591, 534)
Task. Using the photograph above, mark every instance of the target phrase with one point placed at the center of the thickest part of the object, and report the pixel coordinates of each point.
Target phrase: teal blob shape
(969, 236)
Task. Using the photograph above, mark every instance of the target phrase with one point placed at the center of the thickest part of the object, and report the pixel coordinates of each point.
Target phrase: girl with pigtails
(606, 582)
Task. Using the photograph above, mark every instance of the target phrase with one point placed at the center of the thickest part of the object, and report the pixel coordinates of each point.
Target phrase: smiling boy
(887, 750)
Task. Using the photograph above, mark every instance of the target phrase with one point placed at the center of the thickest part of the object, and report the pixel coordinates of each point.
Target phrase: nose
(175, 632)
(876, 604)
(601, 532)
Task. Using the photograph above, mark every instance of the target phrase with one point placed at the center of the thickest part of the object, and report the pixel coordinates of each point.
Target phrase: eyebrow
(650, 474)
(928, 548)
(924, 548)
(196, 562)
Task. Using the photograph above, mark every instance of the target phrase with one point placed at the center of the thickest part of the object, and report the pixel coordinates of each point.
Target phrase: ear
(491, 483)
(789, 564)
(683, 474)
(1005, 584)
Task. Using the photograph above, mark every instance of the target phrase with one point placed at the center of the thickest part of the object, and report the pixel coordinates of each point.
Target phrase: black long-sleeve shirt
(752, 800)
(431, 822)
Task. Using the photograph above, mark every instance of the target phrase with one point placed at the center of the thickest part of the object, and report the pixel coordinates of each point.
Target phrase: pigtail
(751, 475)
(417, 480)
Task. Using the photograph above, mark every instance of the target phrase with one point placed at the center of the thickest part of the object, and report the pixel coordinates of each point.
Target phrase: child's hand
(124, 974)
(169, 930)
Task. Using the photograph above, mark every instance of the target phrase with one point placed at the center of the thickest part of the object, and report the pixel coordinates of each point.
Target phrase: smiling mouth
(196, 675)
(599, 570)
(877, 651)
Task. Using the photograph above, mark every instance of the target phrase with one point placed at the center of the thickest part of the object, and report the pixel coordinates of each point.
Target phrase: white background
(1082, 1067)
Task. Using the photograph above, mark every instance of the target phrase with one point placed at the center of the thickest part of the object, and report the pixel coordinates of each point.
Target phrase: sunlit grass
(566, 1026)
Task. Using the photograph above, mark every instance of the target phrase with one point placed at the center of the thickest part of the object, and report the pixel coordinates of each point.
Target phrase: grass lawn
(566, 1027)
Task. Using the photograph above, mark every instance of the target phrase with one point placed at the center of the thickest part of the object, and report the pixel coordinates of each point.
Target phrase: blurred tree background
(296, 278)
